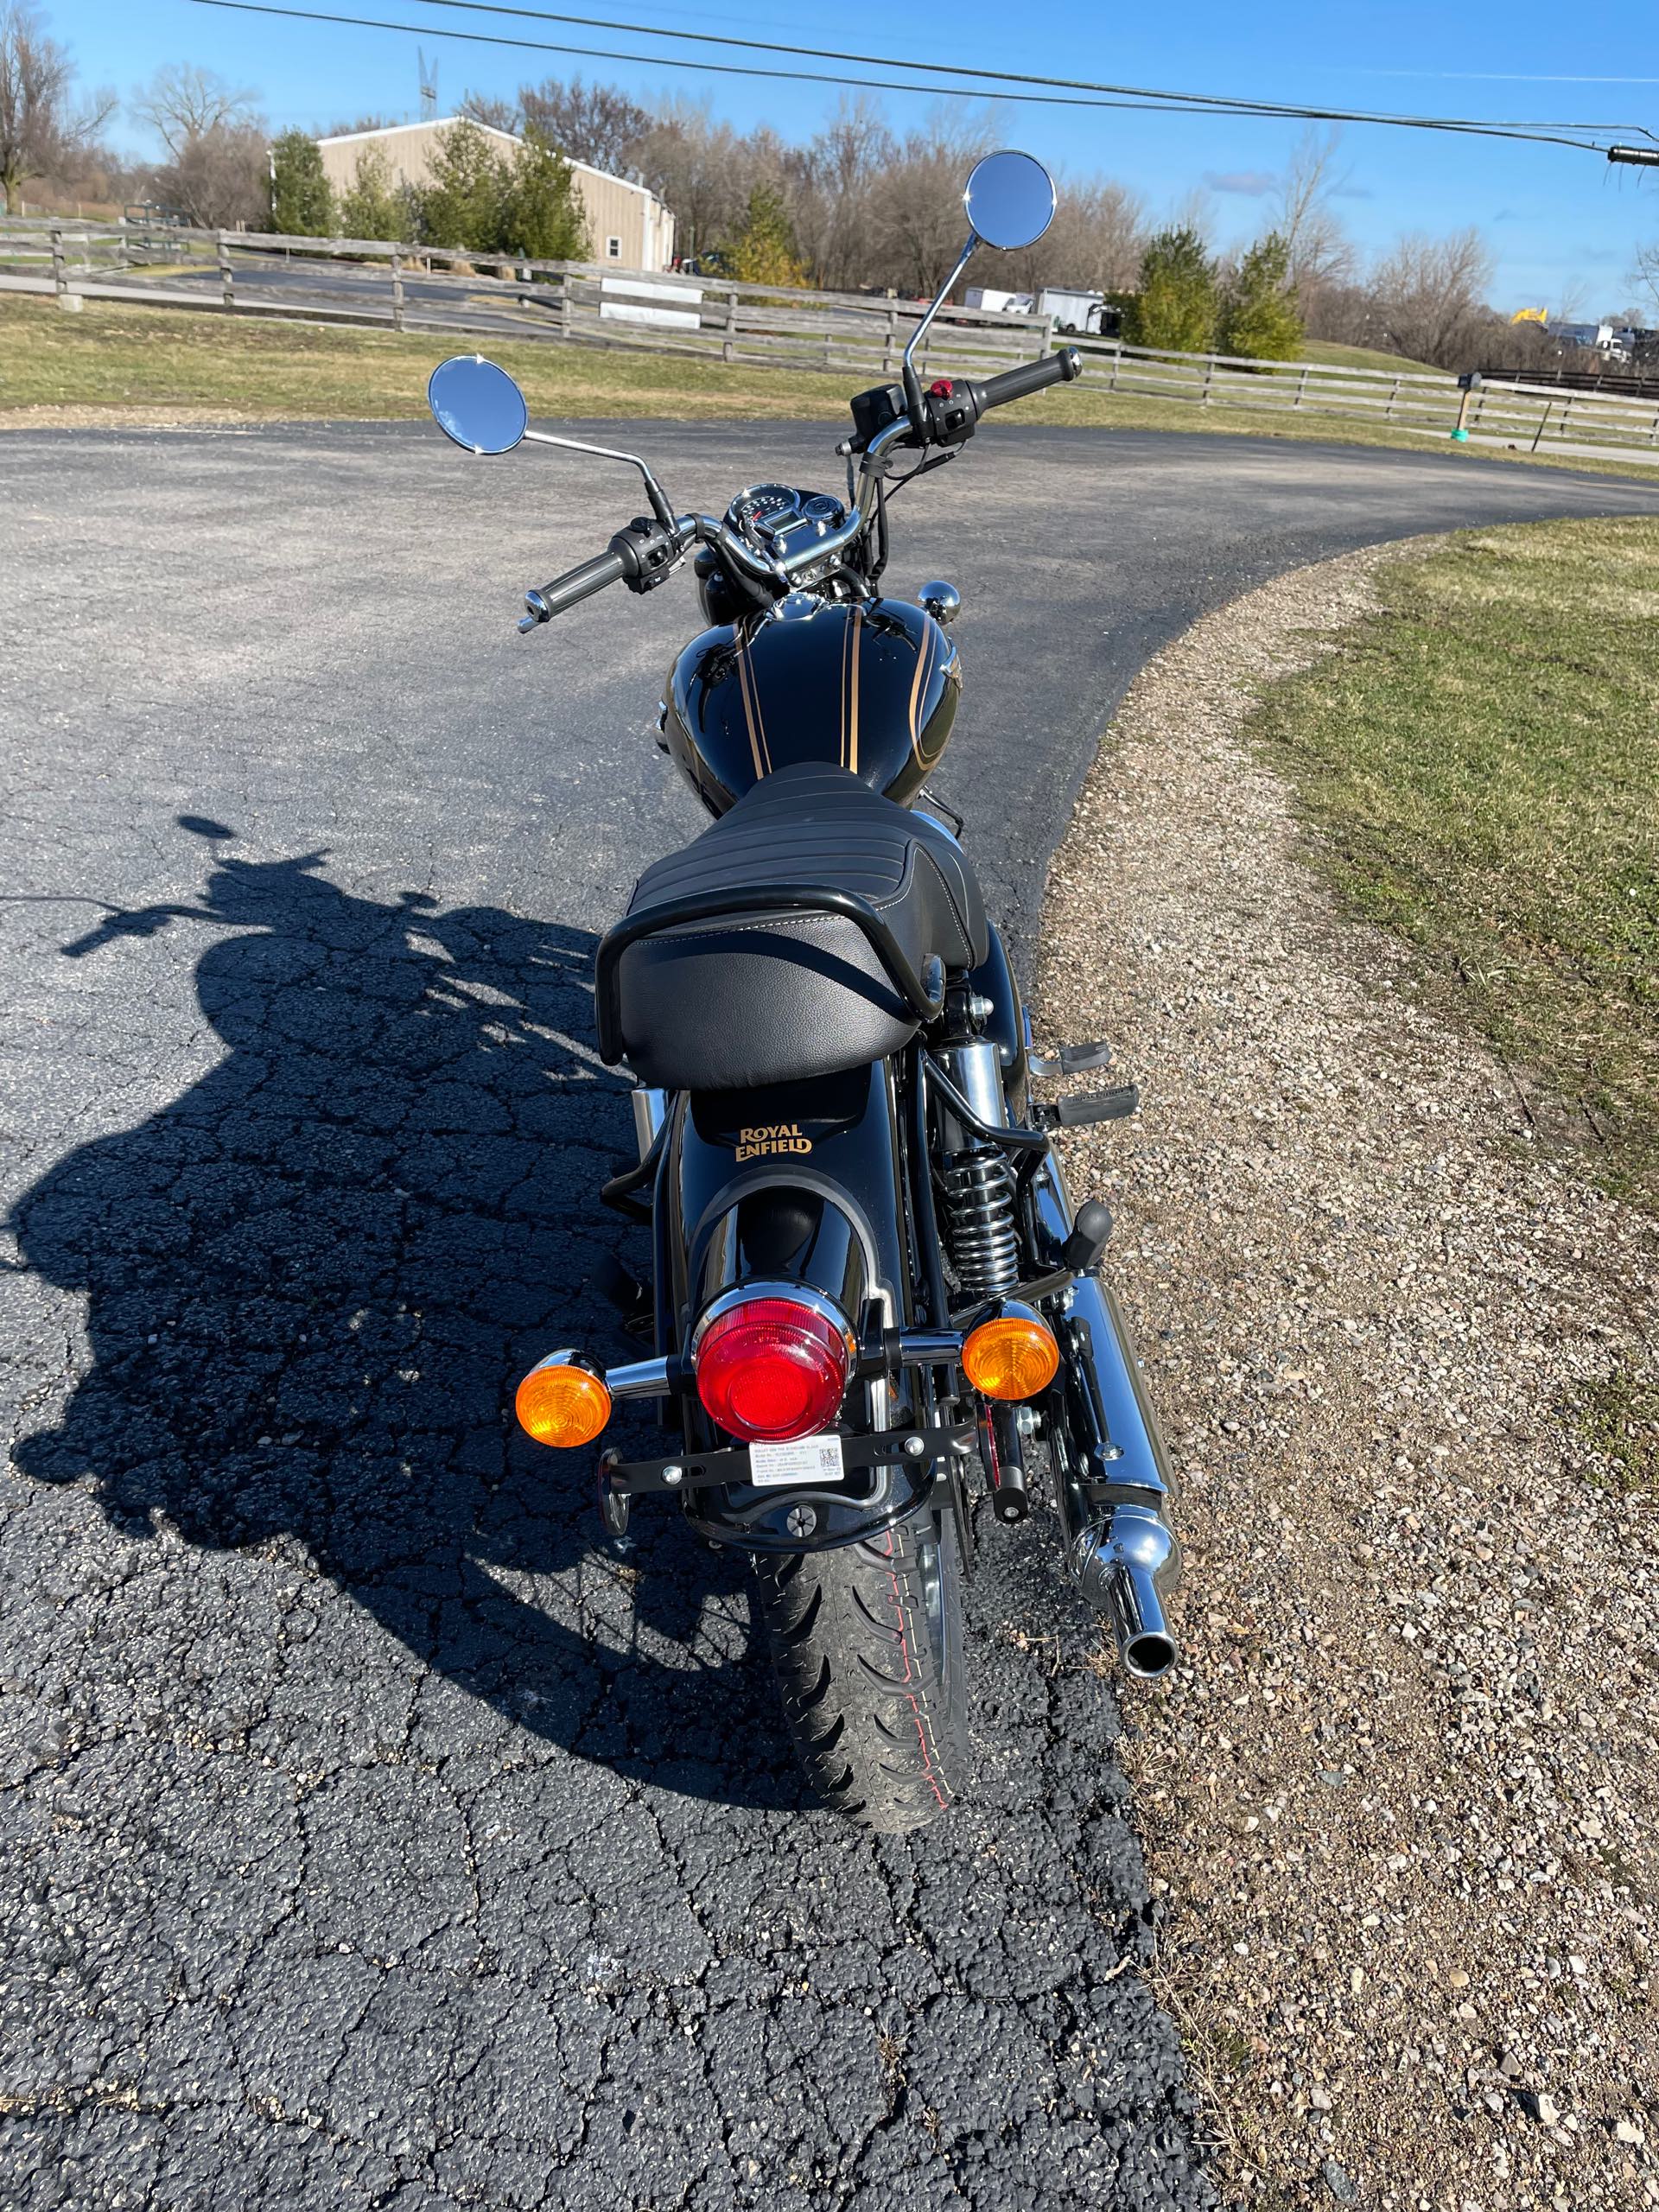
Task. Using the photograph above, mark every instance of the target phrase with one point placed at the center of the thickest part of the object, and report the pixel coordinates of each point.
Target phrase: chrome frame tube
(650, 1112)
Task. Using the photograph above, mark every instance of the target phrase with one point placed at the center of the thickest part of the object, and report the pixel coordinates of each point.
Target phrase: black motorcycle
(872, 1303)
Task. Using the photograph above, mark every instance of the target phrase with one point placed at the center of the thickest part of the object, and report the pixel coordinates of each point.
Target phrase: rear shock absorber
(978, 1206)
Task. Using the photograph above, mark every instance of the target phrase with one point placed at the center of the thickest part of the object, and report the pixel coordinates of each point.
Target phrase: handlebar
(643, 554)
(569, 590)
(1063, 367)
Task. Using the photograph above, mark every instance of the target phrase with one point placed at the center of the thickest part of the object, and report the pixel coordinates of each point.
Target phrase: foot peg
(1070, 1059)
(1089, 1106)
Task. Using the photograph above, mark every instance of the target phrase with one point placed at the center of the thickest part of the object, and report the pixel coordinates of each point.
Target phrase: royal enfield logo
(771, 1137)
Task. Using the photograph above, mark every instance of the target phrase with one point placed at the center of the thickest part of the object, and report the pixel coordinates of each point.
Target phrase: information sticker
(815, 1459)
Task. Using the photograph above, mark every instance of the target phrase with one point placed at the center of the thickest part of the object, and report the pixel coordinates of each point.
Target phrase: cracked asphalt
(374, 1834)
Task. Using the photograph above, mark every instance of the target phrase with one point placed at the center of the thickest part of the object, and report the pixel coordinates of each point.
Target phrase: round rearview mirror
(1010, 199)
(476, 404)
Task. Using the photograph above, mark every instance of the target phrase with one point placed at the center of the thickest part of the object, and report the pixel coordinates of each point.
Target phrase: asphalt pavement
(376, 1834)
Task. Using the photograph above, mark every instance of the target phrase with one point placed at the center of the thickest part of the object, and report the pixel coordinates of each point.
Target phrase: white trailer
(1075, 313)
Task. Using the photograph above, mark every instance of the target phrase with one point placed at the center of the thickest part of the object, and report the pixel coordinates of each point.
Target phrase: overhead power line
(1143, 100)
(1232, 104)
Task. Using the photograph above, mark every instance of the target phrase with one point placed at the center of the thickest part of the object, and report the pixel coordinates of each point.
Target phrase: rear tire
(867, 1647)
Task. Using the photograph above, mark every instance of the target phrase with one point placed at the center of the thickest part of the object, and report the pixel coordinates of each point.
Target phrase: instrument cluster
(779, 519)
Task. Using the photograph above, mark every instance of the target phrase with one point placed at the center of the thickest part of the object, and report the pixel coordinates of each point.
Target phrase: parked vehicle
(995, 302)
(873, 1305)
(1078, 314)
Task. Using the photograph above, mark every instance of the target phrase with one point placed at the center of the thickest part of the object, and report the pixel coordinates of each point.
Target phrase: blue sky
(1560, 222)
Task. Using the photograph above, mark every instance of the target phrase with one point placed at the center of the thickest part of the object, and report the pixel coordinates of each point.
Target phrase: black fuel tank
(871, 685)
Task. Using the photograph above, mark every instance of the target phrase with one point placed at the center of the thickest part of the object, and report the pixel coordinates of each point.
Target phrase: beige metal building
(628, 224)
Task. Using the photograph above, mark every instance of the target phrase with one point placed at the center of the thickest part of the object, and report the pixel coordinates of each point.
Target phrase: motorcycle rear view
(874, 1317)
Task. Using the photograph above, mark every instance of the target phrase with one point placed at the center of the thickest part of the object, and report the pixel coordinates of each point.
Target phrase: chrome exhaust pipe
(1112, 1475)
(1123, 1565)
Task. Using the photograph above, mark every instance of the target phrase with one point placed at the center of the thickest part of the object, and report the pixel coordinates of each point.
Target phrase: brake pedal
(1070, 1059)
(1114, 1105)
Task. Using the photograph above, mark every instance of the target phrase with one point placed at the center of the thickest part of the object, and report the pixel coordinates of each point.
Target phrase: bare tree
(696, 165)
(1429, 295)
(595, 123)
(495, 114)
(40, 134)
(918, 222)
(1094, 244)
(1645, 274)
(1321, 253)
(832, 181)
(184, 103)
(220, 177)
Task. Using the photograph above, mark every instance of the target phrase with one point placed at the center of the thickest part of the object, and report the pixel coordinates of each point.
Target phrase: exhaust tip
(1148, 1656)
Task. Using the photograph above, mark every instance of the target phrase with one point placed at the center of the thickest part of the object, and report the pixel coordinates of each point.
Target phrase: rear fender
(799, 1183)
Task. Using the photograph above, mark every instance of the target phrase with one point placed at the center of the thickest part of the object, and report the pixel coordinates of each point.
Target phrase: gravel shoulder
(1399, 1801)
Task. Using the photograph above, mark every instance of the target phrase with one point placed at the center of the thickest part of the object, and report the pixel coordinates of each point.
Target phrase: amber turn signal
(1013, 1354)
(563, 1401)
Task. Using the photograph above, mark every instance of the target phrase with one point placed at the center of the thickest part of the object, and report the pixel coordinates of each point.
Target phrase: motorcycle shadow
(312, 1279)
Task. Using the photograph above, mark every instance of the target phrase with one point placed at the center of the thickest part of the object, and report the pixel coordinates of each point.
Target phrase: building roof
(507, 138)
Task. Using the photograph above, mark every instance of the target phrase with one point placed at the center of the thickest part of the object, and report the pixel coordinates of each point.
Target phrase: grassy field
(1480, 768)
(154, 364)
(1363, 356)
(1480, 773)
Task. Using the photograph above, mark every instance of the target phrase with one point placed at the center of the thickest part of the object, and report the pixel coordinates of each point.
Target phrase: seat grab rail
(757, 899)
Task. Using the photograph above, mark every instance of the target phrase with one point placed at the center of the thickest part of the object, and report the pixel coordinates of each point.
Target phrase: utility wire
(1232, 103)
(1177, 103)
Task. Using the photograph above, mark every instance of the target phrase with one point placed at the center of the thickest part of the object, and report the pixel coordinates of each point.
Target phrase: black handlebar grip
(1031, 376)
(569, 590)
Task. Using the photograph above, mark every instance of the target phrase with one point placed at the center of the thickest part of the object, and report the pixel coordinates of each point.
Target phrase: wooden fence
(376, 283)
(1531, 415)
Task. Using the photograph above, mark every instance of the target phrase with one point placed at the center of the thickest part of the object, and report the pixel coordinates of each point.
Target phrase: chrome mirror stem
(659, 505)
(913, 382)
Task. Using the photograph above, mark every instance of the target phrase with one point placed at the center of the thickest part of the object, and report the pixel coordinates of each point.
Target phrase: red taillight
(769, 1370)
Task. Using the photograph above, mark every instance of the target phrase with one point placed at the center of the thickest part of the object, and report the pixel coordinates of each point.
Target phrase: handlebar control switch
(873, 410)
(647, 551)
(952, 411)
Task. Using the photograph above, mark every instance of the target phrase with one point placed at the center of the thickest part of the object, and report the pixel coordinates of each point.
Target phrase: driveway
(375, 1833)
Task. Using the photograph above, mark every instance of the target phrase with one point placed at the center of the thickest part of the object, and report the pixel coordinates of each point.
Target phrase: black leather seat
(759, 998)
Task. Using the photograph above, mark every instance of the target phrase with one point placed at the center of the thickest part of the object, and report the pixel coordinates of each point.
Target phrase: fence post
(729, 326)
(890, 342)
(564, 301)
(1301, 386)
(1542, 421)
(1117, 363)
(1393, 394)
(227, 288)
(59, 275)
(1045, 342)
(1566, 412)
(1208, 374)
(397, 289)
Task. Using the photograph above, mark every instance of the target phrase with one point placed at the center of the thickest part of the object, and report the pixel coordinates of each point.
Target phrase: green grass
(1363, 356)
(1618, 1419)
(160, 361)
(1479, 767)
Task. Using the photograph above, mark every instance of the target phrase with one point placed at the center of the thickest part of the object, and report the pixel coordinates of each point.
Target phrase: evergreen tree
(1259, 317)
(1177, 307)
(542, 217)
(374, 206)
(764, 252)
(460, 205)
(301, 198)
